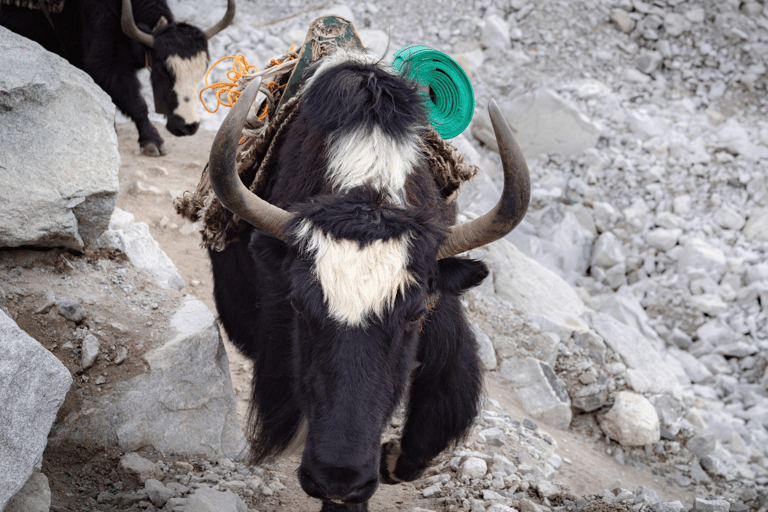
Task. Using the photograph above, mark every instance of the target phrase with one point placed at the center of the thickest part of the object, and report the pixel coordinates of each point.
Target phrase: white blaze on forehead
(188, 74)
(373, 159)
(357, 282)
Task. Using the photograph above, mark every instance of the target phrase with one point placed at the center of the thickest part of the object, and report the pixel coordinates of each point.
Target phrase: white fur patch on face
(188, 74)
(361, 158)
(357, 282)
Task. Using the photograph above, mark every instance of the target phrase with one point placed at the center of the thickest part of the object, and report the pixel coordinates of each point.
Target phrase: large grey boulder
(33, 384)
(544, 122)
(646, 370)
(60, 160)
(528, 286)
(183, 403)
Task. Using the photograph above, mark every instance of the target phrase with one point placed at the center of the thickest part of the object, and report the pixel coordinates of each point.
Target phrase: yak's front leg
(443, 397)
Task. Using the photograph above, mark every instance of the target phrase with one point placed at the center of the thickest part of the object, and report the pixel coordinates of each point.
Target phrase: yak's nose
(333, 483)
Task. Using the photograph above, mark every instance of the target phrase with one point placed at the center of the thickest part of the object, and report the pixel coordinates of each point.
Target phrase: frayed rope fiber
(448, 95)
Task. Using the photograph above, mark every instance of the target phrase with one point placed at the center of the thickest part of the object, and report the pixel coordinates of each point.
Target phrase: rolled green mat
(447, 91)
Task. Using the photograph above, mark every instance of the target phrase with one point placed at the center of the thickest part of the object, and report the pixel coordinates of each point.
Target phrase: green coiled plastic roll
(448, 95)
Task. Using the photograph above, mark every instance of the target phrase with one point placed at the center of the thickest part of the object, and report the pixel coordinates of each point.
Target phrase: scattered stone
(473, 468)
(90, 351)
(157, 493)
(71, 309)
(539, 389)
(139, 469)
(632, 421)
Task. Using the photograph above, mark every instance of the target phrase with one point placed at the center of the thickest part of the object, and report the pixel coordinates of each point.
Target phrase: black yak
(345, 292)
(112, 39)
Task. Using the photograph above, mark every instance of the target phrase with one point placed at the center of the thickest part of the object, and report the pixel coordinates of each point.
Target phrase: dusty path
(148, 186)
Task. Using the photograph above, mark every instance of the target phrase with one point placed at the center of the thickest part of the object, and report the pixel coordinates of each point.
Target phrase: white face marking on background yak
(188, 74)
(361, 158)
(357, 281)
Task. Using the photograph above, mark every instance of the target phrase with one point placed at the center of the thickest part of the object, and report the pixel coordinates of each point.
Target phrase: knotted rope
(241, 74)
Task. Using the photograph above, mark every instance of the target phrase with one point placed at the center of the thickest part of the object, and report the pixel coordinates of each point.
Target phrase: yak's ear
(457, 275)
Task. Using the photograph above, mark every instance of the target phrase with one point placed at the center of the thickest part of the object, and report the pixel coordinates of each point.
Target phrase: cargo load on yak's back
(281, 81)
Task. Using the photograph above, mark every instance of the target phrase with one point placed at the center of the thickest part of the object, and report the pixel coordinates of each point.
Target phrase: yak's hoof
(390, 452)
(152, 149)
(395, 467)
(334, 506)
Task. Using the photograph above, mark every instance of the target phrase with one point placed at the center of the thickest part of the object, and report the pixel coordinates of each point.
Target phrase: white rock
(632, 421)
(708, 304)
(473, 468)
(646, 371)
(544, 122)
(682, 204)
(676, 24)
(728, 218)
(648, 61)
(139, 469)
(695, 15)
(495, 34)
(493, 436)
(698, 255)
(607, 251)
(646, 125)
(144, 252)
(622, 20)
(157, 493)
(662, 239)
(529, 287)
(90, 351)
(485, 348)
(694, 369)
(206, 499)
(540, 391)
(756, 228)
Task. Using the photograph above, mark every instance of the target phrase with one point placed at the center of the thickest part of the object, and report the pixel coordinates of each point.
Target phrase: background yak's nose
(345, 484)
(177, 126)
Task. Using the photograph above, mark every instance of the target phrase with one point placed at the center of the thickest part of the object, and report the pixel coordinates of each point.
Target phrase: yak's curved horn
(223, 174)
(224, 22)
(130, 29)
(510, 209)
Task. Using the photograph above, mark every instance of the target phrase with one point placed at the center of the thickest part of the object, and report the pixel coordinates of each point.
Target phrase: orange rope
(240, 67)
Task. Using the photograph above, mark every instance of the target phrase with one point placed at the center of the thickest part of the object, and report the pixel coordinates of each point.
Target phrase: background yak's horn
(224, 22)
(225, 180)
(510, 209)
(129, 27)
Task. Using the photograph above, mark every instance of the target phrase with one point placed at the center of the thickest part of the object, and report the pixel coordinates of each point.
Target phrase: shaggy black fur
(94, 42)
(345, 382)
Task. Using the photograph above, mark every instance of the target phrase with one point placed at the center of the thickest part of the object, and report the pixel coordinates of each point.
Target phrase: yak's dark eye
(295, 306)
